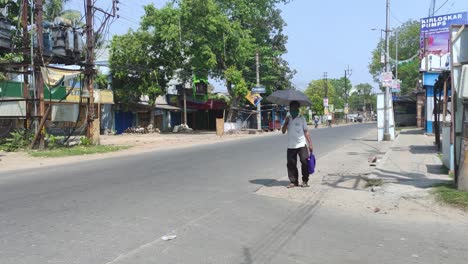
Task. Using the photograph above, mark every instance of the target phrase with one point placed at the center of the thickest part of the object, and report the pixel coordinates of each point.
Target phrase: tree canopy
(143, 62)
(363, 98)
(316, 92)
(408, 48)
(205, 38)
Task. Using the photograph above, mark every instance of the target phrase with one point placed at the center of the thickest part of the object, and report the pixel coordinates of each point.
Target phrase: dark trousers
(293, 173)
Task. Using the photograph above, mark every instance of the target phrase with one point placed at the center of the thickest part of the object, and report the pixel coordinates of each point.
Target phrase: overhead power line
(446, 1)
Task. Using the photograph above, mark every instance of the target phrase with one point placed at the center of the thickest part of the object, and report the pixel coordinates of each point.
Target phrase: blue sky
(324, 36)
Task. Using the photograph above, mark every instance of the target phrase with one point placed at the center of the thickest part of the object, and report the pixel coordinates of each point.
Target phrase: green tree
(342, 91)
(207, 38)
(143, 62)
(53, 8)
(102, 81)
(13, 10)
(363, 98)
(408, 48)
(316, 92)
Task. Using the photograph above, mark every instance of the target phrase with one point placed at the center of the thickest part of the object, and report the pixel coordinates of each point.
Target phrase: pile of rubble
(182, 129)
(141, 130)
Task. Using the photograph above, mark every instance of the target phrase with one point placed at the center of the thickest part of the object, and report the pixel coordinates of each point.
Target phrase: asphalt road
(116, 210)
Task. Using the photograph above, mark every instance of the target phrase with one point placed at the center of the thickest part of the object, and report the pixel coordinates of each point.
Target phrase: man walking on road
(298, 140)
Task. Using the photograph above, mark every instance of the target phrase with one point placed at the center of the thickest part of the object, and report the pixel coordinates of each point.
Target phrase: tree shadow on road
(269, 182)
(412, 179)
(347, 181)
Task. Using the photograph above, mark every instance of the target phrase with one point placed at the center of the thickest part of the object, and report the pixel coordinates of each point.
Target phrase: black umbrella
(284, 97)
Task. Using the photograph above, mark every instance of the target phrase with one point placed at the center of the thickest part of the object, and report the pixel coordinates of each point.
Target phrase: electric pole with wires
(89, 72)
(39, 81)
(94, 120)
(347, 73)
(387, 95)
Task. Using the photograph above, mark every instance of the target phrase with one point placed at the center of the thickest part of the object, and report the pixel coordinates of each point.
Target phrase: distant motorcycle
(316, 121)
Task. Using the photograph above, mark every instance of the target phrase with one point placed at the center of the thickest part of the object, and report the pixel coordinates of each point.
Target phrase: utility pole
(325, 83)
(387, 69)
(93, 123)
(24, 22)
(396, 55)
(347, 73)
(38, 75)
(325, 87)
(432, 8)
(259, 105)
(185, 105)
(33, 75)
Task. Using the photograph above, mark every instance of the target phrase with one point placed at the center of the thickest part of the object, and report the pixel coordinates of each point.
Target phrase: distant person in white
(298, 140)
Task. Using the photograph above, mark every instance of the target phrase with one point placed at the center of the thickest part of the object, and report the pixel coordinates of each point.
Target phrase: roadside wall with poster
(435, 40)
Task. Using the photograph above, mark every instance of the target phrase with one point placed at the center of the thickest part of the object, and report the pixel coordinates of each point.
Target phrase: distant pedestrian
(298, 140)
(329, 120)
(316, 121)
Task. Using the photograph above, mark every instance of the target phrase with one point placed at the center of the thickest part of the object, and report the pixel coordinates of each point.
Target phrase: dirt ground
(140, 143)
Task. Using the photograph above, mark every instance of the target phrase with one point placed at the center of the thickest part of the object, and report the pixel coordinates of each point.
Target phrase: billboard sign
(435, 40)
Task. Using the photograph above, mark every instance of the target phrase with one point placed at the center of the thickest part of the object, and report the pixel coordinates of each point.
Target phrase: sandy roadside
(338, 185)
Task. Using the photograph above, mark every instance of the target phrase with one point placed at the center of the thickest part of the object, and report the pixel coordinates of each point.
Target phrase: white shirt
(329, 117)
(296, 135)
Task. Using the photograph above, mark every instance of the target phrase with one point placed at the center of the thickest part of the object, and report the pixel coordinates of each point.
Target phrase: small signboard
(396, 86)
(387, 79)
(258, 90)
(325, 102)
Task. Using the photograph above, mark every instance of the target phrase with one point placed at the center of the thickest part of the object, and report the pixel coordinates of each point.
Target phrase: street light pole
(347, 74)
(396, 55)
(259, 106)
(387, 136)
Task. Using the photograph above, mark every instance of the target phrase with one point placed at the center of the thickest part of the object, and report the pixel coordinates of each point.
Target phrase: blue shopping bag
(311, 163)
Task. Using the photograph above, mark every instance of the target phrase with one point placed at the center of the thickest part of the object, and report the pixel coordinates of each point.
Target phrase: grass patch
(448, 194)
(75, 151)
(374, 182)
(451, 175)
